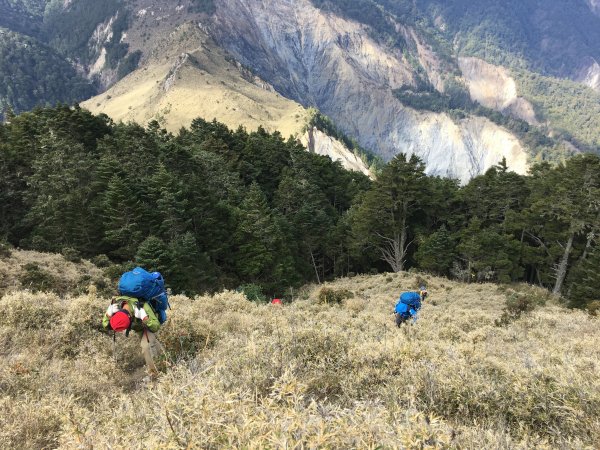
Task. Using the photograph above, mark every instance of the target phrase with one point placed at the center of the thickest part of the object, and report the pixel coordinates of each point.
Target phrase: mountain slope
(348, 59)
(306, 374)
(181, 83)
(33, 74)
(322, 60)
(188, 76)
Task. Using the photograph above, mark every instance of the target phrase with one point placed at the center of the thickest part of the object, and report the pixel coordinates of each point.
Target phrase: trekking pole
(114, 339)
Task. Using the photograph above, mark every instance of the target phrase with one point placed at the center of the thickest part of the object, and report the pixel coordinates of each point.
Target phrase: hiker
(128, 313)
(409, 305)
(142, 307)
(276, 301)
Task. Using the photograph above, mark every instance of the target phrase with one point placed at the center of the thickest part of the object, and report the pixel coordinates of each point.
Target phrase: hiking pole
(112, 302)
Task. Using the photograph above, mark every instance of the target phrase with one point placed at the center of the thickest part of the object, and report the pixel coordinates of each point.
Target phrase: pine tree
(153, 255)
(383, 219)
(123, 213)
(190, 270)
(262, 255)
(437, 252)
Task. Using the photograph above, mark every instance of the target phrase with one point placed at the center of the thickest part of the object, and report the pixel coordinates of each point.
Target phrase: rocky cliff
(493, 87)
(322, 60)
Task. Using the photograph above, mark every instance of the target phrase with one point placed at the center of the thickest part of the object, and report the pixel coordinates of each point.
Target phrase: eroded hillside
(322, 60)
(187, 76)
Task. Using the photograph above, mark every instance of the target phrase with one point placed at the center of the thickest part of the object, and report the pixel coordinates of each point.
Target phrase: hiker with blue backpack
(408, 305)
(141, 306)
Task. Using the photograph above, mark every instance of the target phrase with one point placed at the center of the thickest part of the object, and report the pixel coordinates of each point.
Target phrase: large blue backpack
(411, 299)
(149, 287)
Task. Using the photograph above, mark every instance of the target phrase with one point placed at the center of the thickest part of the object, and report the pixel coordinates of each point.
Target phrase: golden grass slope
(187, 76)
(24, 269)
(306, 375)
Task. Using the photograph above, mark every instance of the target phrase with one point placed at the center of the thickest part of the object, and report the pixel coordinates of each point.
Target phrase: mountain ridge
(347, 60)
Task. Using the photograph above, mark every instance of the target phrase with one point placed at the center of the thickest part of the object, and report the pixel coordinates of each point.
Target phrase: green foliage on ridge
(33, 74)
(69, 29)
(572, 109)
(203, 6)
(326, 125)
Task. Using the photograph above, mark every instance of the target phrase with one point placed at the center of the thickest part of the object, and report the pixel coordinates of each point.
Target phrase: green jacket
(152, 323)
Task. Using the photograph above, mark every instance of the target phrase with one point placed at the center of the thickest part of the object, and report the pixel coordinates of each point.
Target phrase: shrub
(101, 261)
(593, 308)
(253, 292)
(114, 271)
(337, 296)
(71, 255)
(518, 303)
(37, 279)
(5, 249)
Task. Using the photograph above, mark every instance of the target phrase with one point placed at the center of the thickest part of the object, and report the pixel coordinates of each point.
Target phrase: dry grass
(306, 375)
(29, 270)
(207, 85)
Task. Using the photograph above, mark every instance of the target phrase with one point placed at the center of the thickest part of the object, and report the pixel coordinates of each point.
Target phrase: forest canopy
(214, 208)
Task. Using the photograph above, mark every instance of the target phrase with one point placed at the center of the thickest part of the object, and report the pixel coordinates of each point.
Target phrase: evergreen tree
(190, 270)
(383, 219)
(123, 213)
(564, 208)
(262, 257)
(437, 252)
(59, 196)
(153, 255)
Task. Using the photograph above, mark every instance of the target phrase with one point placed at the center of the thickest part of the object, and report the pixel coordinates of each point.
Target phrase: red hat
(276, 301)
(120, 321)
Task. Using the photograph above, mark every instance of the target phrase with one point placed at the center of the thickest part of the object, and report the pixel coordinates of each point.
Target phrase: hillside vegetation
(188, 76)
(217, 209)
(33, 74)
(308, 374)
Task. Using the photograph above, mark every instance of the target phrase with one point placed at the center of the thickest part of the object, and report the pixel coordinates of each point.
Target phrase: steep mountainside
(394, 75)
(187, 76)
(493, 87)
(33, 74)
(557, 38)
(326, 61)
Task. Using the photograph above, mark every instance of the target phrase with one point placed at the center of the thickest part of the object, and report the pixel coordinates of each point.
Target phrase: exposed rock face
(594, 6)
(462, 150)
(200, 82)
(590, 74)
(494, 88)
(324, 61)
(318, 142)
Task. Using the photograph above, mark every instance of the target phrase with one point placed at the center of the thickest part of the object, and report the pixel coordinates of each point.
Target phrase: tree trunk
(403, 236)
(561, 272)
(315, 266)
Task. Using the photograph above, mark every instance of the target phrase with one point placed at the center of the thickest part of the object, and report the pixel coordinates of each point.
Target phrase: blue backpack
(149, 287)
(411, 299)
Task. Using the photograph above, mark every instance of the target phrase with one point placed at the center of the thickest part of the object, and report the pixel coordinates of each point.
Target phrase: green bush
(5, 249)
(36, 279)
(334, 296)
(518, 303)
(101, 261)
(71, 255)
(114, 271)
(593, 308)
(253, 292)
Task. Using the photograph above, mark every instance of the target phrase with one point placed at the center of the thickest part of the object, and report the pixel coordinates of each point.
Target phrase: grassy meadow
(305, 375)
